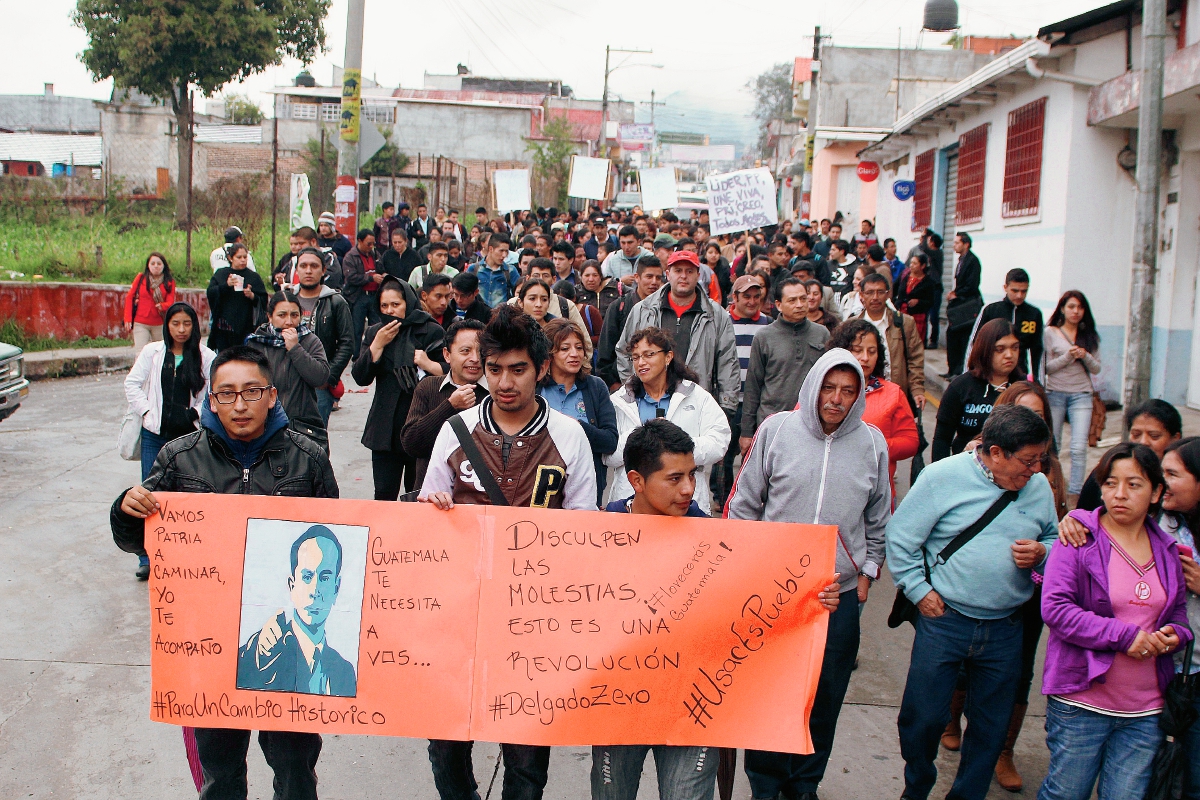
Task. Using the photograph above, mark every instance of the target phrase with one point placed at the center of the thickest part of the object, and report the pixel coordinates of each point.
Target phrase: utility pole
(811, 138)
(654, 143)
(1144, 275)
(608, 51)
(345, 206)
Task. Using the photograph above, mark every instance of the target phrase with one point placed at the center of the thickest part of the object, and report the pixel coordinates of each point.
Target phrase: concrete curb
(72, 363)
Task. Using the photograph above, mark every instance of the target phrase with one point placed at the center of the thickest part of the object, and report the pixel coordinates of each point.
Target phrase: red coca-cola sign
(867, 171)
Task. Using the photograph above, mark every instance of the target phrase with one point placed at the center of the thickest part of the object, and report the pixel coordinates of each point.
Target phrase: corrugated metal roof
(245, 134)
(52, 148)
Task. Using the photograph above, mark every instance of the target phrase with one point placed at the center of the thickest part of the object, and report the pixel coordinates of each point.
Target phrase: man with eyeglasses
(970, 601)
(244, 446)
(904, 356)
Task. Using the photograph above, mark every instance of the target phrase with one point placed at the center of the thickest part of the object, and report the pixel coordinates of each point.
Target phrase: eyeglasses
(645, 356)
(1034, 463)
(251, 395)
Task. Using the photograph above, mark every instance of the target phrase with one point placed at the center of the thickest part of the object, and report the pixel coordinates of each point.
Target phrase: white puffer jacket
(691, 408)
(143, 384)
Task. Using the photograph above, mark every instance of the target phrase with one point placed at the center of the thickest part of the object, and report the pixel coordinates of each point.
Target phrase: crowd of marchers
(639, 364)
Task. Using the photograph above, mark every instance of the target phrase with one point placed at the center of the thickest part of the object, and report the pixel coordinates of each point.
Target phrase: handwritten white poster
(739, 201)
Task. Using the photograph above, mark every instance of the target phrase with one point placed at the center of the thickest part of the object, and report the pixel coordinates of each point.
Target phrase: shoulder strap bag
(905, 610)
(482, 472)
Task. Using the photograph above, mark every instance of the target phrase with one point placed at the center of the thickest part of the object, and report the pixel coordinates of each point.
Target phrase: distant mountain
(693, 112)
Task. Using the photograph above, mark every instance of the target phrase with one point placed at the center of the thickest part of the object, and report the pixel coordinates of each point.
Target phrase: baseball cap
(684, 255)
(668, 240)
(232, 234)
(746, 281)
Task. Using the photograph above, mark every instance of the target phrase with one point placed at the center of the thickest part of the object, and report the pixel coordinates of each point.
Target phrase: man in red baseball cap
(700, 329)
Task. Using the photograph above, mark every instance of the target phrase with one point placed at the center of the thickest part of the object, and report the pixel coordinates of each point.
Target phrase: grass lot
(64, 248)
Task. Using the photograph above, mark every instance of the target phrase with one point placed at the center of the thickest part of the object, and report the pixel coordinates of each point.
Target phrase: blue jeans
(325, 405)
(1076, 408)
(526, 769)
(684, 773)
(1085, 745)
(991, 652)
(1192, 743)
(789, 773)
(360, 313)
(151, 444)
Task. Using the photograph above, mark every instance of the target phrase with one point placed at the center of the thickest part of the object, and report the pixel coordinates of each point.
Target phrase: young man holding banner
(661, 468)
(510, 449)
(242, 423)
(821, 465)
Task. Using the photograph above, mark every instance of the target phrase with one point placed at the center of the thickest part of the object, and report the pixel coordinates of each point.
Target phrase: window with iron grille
(923, 195)
(972, 160)
(1023, 159)
(331, 112)
(381, 114)
(304, 111)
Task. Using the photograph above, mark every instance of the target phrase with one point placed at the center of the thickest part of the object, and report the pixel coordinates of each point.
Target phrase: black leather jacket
(291, 464)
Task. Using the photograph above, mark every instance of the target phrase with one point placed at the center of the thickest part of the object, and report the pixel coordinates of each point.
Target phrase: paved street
(74, 674)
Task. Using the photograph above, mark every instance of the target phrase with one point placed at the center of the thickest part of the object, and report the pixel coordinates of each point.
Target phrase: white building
(1026, 155)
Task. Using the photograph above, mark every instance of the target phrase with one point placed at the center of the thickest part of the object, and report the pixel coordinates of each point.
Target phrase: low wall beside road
(69, 311)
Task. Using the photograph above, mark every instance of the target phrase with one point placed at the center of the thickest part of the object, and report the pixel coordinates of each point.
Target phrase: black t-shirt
(966, 404)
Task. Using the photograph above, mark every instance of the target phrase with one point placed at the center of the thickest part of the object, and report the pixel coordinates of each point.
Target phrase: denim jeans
(1076, 408)
(292, 756)
(1085, 745)
(325, 405)
(526, 769)
(991, 652)
(360, 313)
(151, 444)
(791, 774)
(1192, 743)
(684, 773)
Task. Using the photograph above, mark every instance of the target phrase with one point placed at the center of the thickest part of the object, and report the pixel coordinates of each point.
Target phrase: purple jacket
(1084, 635)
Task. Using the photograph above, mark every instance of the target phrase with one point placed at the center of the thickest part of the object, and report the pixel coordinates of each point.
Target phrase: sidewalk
(70, 362)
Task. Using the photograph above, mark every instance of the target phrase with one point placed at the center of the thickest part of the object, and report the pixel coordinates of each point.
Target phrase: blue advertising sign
(904, 190)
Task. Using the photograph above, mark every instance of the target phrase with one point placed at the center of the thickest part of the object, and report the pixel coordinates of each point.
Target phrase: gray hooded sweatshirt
(794, 472)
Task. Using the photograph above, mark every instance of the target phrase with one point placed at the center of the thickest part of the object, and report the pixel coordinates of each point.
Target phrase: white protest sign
(302, 215)
(739, 201)
(589, 177)
(658, 188)
(511, 188)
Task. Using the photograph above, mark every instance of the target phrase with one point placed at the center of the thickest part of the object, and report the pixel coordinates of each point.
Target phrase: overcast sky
(708, 49)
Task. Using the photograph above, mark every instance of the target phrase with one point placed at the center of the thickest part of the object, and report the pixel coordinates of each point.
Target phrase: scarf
(270, 336)
(156, 288)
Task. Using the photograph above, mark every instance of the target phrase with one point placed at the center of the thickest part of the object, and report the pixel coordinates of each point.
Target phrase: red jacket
(148, 313)
(887, 409)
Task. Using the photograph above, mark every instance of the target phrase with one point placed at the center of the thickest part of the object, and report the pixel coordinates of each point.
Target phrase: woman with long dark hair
(236, 296)
(570, 387)
(167, 386)
(151, 293)
(664, 386)
(1116, 609)
(405, 341)
(1070, 345)
(915, 292)
(968, 400)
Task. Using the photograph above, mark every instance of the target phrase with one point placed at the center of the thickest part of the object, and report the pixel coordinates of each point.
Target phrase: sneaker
(143, 570)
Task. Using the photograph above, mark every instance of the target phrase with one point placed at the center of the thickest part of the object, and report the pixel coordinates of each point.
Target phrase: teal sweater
(981, 580)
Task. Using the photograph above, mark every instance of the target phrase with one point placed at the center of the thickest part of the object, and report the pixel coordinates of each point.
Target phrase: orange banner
(518, 625)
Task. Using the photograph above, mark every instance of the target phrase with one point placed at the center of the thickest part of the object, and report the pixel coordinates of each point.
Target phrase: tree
(321, 168)
(552, 156)
(241, 110)
(772, 92)
(166, 48)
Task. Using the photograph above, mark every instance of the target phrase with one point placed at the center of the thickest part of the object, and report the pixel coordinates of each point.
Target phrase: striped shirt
(743, 333)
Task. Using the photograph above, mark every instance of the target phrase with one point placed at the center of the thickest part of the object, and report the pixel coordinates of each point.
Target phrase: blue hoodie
(622, 507)
(246, 453)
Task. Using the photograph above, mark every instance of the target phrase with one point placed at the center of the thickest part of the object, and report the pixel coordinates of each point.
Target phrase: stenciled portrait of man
(292, 652)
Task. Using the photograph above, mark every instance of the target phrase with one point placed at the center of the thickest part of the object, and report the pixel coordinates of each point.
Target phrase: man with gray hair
(961, 548)
(821, 465)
